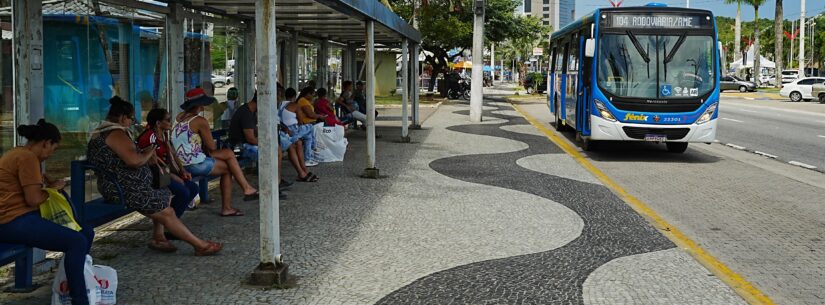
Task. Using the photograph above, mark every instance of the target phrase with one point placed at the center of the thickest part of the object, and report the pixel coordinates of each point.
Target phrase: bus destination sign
(647, 21)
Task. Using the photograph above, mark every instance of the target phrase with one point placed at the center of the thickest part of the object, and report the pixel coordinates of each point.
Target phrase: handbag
(58, 210)
(161, 176)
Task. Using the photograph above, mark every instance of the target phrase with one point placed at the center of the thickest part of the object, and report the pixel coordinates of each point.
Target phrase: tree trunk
(737, 50)
(756, 55)
(778, 36)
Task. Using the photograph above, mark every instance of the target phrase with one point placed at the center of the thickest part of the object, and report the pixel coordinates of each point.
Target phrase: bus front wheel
(676, 147)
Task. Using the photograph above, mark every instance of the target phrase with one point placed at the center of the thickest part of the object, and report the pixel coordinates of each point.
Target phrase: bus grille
(635, 106)
(671, 133)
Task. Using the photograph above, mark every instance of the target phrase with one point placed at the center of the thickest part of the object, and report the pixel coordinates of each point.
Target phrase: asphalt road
(787, 134)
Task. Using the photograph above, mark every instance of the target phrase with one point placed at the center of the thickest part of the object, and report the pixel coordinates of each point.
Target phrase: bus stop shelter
(271, 30)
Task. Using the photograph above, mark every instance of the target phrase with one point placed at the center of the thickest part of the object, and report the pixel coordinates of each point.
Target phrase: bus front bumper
(601, 129)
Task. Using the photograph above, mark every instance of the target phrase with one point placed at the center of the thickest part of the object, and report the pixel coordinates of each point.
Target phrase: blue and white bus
(648, 73)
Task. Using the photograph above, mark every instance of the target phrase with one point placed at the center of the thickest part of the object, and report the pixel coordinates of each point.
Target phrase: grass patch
(768, 90)
(519, 88)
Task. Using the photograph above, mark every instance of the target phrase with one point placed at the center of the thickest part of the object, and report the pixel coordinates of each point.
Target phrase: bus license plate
(655, 137)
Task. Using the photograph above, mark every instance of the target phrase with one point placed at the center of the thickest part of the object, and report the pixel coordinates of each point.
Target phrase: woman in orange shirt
(21, 194)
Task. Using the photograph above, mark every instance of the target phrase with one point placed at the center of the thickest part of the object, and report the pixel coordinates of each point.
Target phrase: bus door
(551, 81)
(585, 90)
(571, 99)
(558, 79)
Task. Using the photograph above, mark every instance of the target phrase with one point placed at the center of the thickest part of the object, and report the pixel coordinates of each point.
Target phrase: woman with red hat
(194, 145)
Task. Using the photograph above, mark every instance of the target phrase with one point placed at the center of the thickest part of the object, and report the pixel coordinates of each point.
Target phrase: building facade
(555, 13)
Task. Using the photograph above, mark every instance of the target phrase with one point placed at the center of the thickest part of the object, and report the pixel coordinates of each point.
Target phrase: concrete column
(353, 51)
(476, 87)
(371, 171)
(323, 65)
(416, 82)
(405, 90)
(293, 61)
(345, 63)
(271, 270)
(174, 71)
(248, 58)
(27, 69)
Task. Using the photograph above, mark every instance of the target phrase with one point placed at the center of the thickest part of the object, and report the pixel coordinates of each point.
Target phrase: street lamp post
(476, 89)
(802, 41)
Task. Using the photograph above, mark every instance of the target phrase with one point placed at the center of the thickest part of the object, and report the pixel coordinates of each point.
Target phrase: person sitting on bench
(158, 125)
(113, 150)
(192, 140)
(243, 129)
(21, 193)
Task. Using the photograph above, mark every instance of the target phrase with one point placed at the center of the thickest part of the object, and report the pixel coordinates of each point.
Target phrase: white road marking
(735, 146)
(765, 154)
(821, 136)
(800, 164)
(729, 119)
(751, 111)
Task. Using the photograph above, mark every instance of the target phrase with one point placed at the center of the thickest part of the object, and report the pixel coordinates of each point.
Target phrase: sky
(791, 8)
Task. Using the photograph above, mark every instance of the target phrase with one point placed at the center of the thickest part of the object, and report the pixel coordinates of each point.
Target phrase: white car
(789, 76)
(800, 89)
(219, 80)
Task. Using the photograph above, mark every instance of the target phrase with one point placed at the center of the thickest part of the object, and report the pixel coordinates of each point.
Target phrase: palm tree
(756, 57)
(738, 29)
(778, 27)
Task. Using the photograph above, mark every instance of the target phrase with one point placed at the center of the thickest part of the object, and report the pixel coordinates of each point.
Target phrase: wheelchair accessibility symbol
(667, 90)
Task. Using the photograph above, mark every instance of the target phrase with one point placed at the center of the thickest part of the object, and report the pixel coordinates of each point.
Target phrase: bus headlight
(707, 115)
(603, 111)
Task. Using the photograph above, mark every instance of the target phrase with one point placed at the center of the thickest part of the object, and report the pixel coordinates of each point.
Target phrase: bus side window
(553, 60)
(573, 55)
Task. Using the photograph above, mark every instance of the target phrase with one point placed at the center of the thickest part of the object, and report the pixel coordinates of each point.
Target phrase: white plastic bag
(60, 287)
(101, 284)
(107, 284)
(330, 143)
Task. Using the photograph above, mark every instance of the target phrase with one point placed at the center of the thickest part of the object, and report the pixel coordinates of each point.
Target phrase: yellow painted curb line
(742, 287)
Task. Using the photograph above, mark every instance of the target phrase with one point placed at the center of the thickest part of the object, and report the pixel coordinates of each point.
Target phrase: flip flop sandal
(307, 178)
(236, 213)
(313, 177)
(211, 249)
(164, 246)
(251, 197)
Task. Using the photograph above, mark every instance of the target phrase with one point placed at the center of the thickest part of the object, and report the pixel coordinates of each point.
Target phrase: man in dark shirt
(243, 128)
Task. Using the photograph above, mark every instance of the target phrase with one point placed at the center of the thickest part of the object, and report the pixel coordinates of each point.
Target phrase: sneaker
(311, 163)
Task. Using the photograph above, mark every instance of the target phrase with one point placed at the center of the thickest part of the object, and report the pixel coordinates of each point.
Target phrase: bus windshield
(656, 66)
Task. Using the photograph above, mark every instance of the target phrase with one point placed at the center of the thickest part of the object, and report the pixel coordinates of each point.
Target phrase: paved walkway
(489, 213)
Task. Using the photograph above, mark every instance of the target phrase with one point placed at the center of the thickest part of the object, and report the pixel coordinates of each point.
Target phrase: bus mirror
(590, 47)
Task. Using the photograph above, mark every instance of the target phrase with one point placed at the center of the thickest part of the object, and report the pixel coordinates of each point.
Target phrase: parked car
(801, 89)
(789, 76)
(219, 80)
(731, 82)
(818, 91)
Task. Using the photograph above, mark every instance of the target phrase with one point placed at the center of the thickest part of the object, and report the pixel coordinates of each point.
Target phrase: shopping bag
(107, 284)
(58, 210)
(330, 143)
(60, 287)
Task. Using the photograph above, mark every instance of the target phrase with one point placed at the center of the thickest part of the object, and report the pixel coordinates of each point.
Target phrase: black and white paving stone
(611, 229)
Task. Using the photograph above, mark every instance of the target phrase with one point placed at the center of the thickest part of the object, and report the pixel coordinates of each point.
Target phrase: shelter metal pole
(323, 65)
(476, 89)
(175, 77)
(271, 269)
(353, 51)
(405, 90)
(416, 111)
(371, 171)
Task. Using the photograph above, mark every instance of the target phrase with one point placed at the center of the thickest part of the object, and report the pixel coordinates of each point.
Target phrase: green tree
(738, 29)
(448, 24)
(756, 54)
